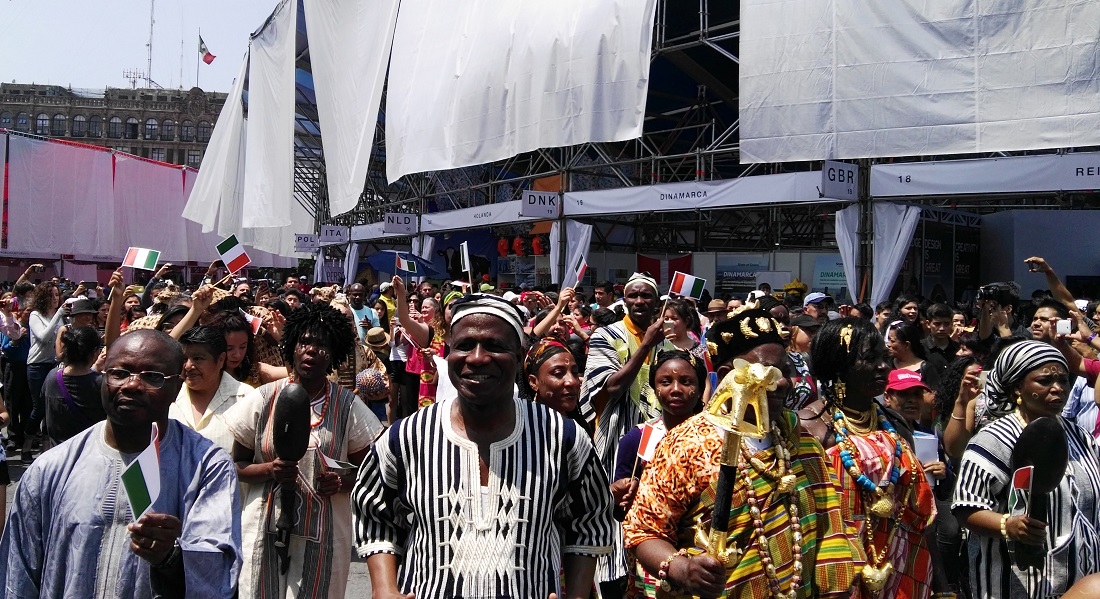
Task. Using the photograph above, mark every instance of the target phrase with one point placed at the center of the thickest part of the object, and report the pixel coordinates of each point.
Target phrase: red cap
(902, 379)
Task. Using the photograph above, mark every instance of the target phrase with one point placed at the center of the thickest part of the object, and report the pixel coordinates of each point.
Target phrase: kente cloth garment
(212, 423)
(419, 496)
(320, 542)
(421, 363)
(66, 534)
(676, 494)
(612, 417)
(915, 510)
(1072, 516)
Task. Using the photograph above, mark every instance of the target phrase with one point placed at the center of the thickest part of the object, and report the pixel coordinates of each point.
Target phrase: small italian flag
(233, 254)
(141, 479)
(652, 433)
(687, 285)
(580, 267)
(255, 322)
(207, 57)
(141, 258)
(405, 264)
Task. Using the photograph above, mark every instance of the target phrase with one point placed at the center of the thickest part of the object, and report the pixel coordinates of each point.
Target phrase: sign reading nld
(400, 223)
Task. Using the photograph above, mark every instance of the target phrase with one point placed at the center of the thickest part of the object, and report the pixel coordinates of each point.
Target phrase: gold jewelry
(1019, 399)
(846, 337)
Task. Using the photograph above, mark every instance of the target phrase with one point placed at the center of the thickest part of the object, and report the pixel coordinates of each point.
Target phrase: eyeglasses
(151, 379)
(306, 343)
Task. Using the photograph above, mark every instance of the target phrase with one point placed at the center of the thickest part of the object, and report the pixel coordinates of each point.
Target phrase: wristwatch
(172, 559)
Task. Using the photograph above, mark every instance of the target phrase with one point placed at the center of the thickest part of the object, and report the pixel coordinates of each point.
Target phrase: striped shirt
(1072, 516)
(419, 496)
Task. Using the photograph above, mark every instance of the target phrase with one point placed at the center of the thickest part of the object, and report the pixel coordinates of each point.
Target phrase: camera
(998, 292)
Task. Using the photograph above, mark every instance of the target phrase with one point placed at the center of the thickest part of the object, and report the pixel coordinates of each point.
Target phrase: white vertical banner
(318, 267)
(894, 227)
(555, 252)
(348, 36)
(847, 241)
(578, 236)
(423, 246)
(269, 164)
(351, 263)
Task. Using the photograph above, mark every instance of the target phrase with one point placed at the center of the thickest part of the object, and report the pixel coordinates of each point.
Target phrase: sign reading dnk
(840, 180)
(540, 204)
(399, 223)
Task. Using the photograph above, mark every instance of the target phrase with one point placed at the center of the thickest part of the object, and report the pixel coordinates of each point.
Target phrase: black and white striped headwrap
(1013, 364)
(484, 303)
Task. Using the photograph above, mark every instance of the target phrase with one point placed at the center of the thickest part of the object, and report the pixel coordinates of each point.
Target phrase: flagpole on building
(197, 61)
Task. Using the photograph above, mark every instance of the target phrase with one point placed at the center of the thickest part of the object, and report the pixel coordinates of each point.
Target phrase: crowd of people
(478, 442)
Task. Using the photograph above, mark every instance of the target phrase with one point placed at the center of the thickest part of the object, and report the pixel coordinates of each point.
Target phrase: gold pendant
(883, 507)
(787, 483)
(875, 578)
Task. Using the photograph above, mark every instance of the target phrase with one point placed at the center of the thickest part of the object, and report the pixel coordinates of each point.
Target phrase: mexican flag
(255, 322)
(141, 258)
(141, 479)
(405, 264)
(233, 254)
(687, 285)
(207, 57)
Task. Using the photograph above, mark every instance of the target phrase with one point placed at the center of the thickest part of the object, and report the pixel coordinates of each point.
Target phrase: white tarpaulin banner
(823, 79)
(471, 218)
(847, 241)
(140, 184)
(578, 237)
(1011, 174)
(894, 227)
(351, 263)
(269, 164)
(477, 81)
(696, 195)
(348, 36)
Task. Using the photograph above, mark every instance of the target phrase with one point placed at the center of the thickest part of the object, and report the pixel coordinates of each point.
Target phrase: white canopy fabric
(578, 238)
(826, 79)
(894, 225)
(847, 242)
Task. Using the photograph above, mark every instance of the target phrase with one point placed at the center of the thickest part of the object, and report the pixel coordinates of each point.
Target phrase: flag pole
(197, 61)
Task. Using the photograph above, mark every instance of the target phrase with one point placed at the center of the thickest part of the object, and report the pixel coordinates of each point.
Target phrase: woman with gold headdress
(784, 534)
(883, 487)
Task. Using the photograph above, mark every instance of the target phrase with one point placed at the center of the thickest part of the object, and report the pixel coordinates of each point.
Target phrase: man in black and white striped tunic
(487, 495)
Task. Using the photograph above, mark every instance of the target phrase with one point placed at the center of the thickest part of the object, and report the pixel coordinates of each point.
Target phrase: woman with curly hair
(316, 338)
(1029, 380)
(883, 488)
(45, 319)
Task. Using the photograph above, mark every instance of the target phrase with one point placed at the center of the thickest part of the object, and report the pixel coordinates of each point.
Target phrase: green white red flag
(406, 264)
(141, 258)
(233, 254)
(686, 285)
(141, 479)
(207, 57)
(651, 437)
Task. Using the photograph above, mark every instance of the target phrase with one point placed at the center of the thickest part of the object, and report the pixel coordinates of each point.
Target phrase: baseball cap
(385, 286)
(813, 298)
(510, 296)
(805, 321)
(902, 379)
(485, 288)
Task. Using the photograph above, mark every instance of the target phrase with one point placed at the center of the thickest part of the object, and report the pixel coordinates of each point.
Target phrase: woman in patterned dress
(342, 428)
(427, 335)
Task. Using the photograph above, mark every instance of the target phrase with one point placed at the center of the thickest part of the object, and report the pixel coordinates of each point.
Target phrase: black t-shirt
(62, 421)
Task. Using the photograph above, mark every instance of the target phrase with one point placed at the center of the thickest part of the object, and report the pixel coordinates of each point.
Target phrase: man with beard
(72, 531)
(486, 495)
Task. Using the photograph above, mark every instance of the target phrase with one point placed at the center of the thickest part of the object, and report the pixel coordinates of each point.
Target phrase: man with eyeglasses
(71, 529)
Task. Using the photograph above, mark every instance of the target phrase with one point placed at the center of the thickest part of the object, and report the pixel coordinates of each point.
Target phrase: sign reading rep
(400, 223)
(540, 204)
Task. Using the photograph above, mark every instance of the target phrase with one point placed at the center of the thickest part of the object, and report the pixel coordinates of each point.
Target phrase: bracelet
(960, 418)
(666, 565)
(1091, 337)
(1004, 526)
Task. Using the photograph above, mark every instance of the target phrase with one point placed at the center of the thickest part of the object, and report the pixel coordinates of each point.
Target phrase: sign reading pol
(399, 223)
(840, 180)
(540, 204)
(306, 243)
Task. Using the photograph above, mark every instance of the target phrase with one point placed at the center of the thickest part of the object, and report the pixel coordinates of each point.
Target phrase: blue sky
(89, 43)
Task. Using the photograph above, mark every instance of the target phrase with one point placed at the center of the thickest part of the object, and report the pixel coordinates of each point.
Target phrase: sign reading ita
(540, 204)
(306, 243)
(399, 223)
(333, 235)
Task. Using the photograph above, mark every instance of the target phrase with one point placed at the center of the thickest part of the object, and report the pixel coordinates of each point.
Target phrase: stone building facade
(170, 126)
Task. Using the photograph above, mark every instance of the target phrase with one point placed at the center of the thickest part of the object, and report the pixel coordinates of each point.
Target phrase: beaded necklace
(324, 406)
(784, 487)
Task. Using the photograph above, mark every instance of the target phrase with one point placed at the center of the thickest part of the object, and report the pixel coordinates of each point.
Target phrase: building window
(194, 158)
(95, 127)
(132, 125)
(204, 131)
(187, 131)
(59, 126)
(157, 154)
(5, 120)
(151, 128)
(80, 126)
(23, 122)
(168, 130)
(42, 124)
(114, 128)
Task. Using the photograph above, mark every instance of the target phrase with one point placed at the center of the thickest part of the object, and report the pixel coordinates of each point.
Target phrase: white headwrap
(483, 303)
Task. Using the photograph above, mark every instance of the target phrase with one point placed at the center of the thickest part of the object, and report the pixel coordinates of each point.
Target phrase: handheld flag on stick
(406, 264)
(254, 322)
(651, 437)
(141, 258)
(233, 254)
(207, 57)
(687, 286)
(464, 260)
(580, 267)
(141, 479)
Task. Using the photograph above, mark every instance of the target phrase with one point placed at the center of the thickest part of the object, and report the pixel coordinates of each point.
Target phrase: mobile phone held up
(1062, 327)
